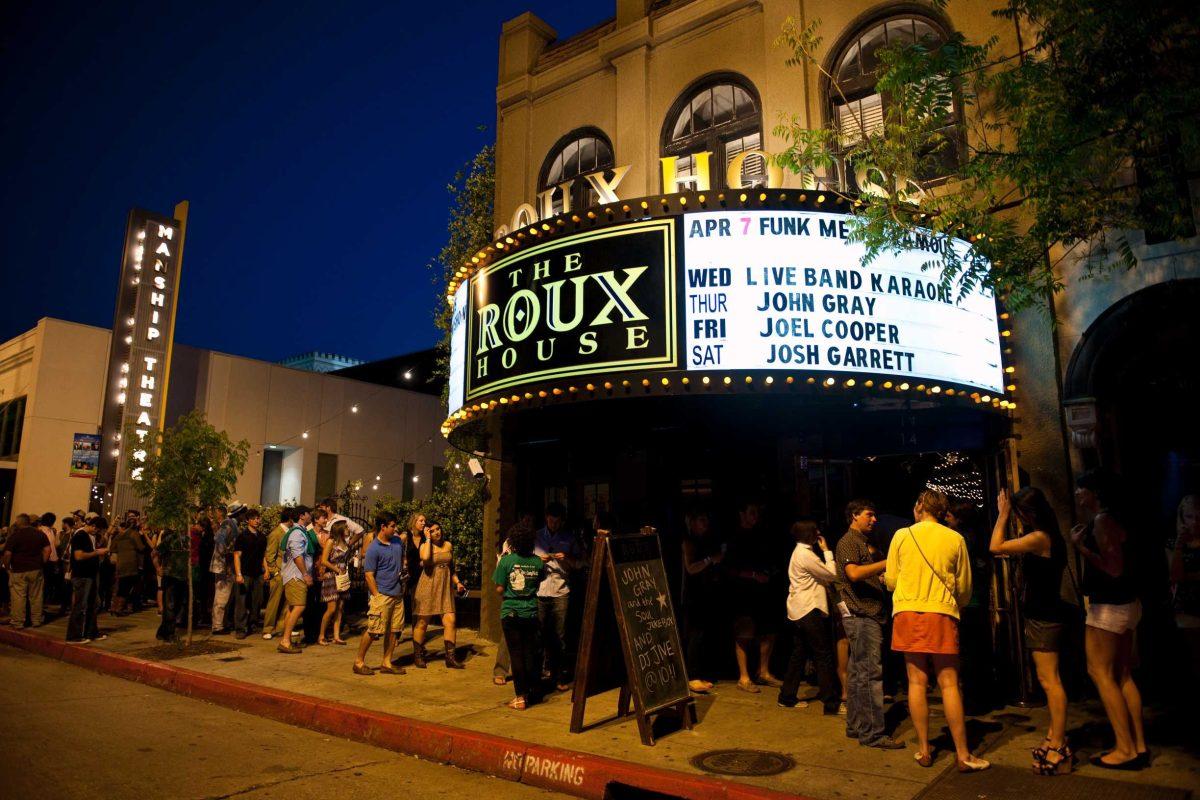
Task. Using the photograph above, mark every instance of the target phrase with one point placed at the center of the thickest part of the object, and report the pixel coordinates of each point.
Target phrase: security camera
(477, 471)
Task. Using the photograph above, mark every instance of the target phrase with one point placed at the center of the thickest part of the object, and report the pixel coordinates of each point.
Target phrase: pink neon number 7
(745, 226)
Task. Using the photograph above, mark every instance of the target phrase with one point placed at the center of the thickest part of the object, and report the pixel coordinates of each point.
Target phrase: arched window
(719, 114)
(579, 152)
(856, 108)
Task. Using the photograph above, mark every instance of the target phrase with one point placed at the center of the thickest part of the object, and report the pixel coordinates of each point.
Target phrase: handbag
(342, 581)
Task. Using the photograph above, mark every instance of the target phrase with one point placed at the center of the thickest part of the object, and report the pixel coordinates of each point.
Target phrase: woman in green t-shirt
(517, 577)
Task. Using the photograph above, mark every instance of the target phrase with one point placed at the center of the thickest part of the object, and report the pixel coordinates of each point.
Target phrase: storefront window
(576, 154)
(720, 115)
(857, 109)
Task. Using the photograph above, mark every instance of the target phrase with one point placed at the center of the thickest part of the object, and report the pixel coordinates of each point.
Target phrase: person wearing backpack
(297, 551)
(929, 572)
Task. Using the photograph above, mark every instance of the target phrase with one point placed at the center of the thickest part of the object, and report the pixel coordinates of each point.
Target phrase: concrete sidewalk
(827, 765)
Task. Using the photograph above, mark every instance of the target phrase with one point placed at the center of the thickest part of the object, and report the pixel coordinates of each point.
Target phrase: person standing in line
(810, 571)
(749, 569)
(221, 567)
(384, 570)
(125, 551)
(1113, 613)
(1043, 554)
(202, 553)
(298, 550)
(559, 550)
(26, 552)
(929, 571)
(172, 560)
(1183, 564)
(51, 583)
(516, 577)
(436, 590)
(976, 645)
(414, 538)
(271, 567)
(249, 550)
(354, 531)
(334, 556)
(860, 586)
(314, 608)
(63, 551)
(85, 562)
(106, 571)
(702, 557)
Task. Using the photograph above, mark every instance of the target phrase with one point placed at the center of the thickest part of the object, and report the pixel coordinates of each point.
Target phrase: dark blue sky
(313, 139)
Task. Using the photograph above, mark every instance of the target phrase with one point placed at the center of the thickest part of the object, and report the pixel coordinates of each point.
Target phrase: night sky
(313, 139)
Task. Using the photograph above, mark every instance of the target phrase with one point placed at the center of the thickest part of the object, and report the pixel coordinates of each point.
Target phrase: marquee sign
(709, 292)
(139, 359)
(596, 301)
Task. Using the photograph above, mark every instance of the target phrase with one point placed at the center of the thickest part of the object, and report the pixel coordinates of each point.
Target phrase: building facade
(310, 433)
(673, 96)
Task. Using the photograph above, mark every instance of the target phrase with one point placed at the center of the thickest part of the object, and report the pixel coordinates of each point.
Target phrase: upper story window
(578, 153)
(857, 108)
(721, 115)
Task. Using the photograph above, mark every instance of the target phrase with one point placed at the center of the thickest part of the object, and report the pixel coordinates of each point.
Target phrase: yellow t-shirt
(938, 581)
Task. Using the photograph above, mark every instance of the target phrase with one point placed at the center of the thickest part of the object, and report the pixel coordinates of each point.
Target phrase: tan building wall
(60, 367)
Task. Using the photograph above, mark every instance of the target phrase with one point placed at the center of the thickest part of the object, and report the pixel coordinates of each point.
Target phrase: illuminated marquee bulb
(304, 435)
(128, 340)
(353, 409)
(829, 382)
(728, 380)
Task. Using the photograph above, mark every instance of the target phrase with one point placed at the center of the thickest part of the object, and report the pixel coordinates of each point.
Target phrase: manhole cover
(743, 762)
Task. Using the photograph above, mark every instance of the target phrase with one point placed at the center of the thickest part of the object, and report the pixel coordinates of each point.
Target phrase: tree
(1085, 130)
(458, 504)
(194, 465)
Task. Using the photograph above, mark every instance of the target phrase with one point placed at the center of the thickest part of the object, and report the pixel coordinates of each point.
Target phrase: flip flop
(517, 703)
(339, 641)
(749, 688)
(499, 680)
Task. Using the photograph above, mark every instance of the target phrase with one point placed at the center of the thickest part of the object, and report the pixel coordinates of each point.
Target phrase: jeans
(503, 666)
(552, 618)
(812, 638)
(521, 636)
(864, 680)
(222, 592)
(23, 586)
(84, 596)
(249, 601)
(174, 613)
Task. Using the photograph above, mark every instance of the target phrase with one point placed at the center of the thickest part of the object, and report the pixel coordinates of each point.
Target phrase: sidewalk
(827, 765)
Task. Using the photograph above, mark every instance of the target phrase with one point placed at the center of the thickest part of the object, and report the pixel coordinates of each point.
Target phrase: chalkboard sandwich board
(629, 568)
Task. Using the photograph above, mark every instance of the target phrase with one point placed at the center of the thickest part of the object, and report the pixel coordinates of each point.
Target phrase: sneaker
(268, 635)
(99, 638)
(886, 743)
(78, 641)
(797, 704)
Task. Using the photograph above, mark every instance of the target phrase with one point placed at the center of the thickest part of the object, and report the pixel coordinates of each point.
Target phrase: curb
(554, 768)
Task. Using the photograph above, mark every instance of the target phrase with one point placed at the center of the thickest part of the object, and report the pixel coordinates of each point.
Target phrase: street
(72, 733)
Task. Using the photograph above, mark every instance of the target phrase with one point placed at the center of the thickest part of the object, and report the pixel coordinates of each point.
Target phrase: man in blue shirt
(560, 552)
(298, 550)
(384, 568)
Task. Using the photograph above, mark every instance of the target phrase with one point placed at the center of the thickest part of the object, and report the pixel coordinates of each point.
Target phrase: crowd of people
(851, 608)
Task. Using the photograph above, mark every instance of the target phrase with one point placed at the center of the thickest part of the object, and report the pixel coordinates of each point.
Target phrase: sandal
(324, 642)
(339, 641)
(768, 680)
(973, 764)
(1043, 764)
(699, 687)
(924, 759)
(749, 687)
(499, 680)
(517, 703)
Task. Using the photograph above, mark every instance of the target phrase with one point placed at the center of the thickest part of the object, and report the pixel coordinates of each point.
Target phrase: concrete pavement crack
(292, 779)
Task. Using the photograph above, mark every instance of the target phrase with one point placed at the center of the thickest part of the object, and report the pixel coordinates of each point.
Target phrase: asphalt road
(67, 733)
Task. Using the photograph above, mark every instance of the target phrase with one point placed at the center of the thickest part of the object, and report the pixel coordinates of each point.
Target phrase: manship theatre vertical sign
(139, 360)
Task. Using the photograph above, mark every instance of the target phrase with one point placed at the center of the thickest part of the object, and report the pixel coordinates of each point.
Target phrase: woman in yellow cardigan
(929, 573)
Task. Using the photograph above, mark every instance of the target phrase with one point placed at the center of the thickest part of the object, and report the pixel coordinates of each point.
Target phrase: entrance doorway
(1136, 365)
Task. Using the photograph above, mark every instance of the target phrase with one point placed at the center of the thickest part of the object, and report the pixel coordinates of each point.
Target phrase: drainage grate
(743, 762)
